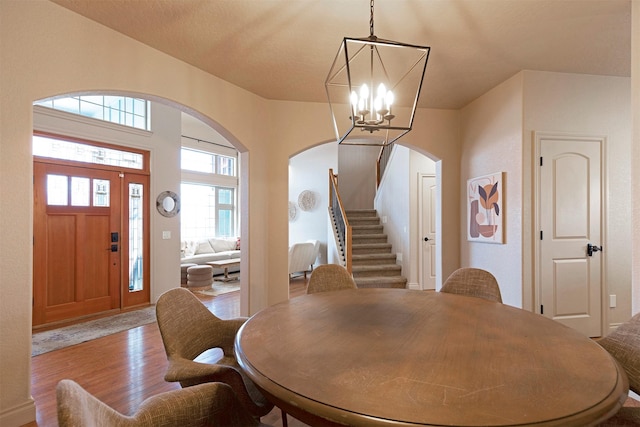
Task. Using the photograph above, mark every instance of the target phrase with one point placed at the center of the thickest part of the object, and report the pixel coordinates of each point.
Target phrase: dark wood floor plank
(125, 368)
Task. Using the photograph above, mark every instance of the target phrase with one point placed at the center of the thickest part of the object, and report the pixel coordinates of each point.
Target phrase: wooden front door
(91, 241)
(570, 220)
(76, 265)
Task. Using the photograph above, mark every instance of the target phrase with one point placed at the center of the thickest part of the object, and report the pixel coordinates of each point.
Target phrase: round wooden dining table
(395, 357)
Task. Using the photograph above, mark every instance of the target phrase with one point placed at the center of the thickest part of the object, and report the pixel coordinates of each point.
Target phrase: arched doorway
(161, 261)
(400, 203)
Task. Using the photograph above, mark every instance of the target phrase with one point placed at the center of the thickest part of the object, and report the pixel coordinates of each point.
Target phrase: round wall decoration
(293, 211)
(306, 200)
(168, 204)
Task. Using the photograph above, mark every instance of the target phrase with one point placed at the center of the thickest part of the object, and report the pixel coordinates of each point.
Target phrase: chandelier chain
(371, 19)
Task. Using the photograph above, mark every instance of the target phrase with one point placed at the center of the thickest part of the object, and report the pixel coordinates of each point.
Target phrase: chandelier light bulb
(389, 100)
(354, 99)
(364, 91)
(377, 105)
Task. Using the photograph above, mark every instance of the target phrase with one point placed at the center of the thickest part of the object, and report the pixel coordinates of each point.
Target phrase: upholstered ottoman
(183, 273)
(199, 276)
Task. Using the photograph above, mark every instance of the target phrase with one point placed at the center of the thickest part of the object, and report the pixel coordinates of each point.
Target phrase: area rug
(219, 288)
(55, 339)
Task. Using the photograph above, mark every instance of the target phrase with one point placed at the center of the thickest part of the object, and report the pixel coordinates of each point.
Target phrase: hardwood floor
(124, 369)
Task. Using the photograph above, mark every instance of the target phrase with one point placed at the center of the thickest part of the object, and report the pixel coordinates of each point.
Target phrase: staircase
(373, 264)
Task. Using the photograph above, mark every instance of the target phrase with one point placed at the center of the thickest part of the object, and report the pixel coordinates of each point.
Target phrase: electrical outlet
(612, 301)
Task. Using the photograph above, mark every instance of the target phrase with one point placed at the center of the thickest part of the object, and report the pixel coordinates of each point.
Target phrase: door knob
(426, 239)
(592, 248)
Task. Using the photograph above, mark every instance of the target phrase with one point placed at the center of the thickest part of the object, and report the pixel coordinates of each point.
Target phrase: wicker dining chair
(330, 277)
(624, 345)
(210, 404)
(188, 329)
(473, 282)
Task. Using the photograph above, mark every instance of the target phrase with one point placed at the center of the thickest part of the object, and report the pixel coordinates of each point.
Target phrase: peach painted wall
(56, 52)
(587, 105)
(492, 142)
(635, 166)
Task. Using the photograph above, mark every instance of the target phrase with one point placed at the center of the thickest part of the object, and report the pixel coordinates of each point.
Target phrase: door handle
(426, 239)
(592, 248)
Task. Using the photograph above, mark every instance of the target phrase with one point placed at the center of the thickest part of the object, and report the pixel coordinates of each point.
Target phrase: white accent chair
(301, 258)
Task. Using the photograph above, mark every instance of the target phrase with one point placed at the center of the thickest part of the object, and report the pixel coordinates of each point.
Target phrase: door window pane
(69, 150)
(101, 192)
(79, 191)
(57, 190)
(136, 262)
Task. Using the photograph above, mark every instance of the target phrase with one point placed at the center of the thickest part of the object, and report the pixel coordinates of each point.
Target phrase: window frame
(216, 181)
(127, 115)
(144, 153)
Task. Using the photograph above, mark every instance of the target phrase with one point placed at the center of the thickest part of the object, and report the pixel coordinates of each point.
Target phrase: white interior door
(570, 201)
(428, 231)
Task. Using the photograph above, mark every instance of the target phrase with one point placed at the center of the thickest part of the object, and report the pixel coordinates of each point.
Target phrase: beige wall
(635, 166)
(57, 52)
(589, 105)
(436, 134)
(492, 142)
(497, 135)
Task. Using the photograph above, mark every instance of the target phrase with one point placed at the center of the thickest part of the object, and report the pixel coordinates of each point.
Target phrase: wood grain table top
(225, 263)
(400, 357)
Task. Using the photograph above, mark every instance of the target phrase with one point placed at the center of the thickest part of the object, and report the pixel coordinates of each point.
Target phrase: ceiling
(283, 49)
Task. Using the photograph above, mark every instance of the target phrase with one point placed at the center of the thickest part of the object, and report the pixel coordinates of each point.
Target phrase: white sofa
(210, 249)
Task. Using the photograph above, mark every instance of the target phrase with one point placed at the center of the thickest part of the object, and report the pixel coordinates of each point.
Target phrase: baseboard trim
(613, 326)
(19, 415)
(413, 286)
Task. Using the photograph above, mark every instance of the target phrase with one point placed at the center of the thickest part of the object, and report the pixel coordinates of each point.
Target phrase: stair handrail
(342, 227)
(381, 162)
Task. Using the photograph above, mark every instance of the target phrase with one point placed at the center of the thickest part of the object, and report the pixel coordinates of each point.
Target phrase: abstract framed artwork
(485, 217)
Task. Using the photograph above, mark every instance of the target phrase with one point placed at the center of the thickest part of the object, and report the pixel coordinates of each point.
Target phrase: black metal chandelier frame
(348, 116)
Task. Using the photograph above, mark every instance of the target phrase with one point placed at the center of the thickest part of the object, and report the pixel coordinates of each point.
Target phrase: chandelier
(374, 85)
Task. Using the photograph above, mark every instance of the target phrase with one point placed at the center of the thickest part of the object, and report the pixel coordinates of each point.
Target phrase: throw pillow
(189, 248)
(203, 247)
(222, 244)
